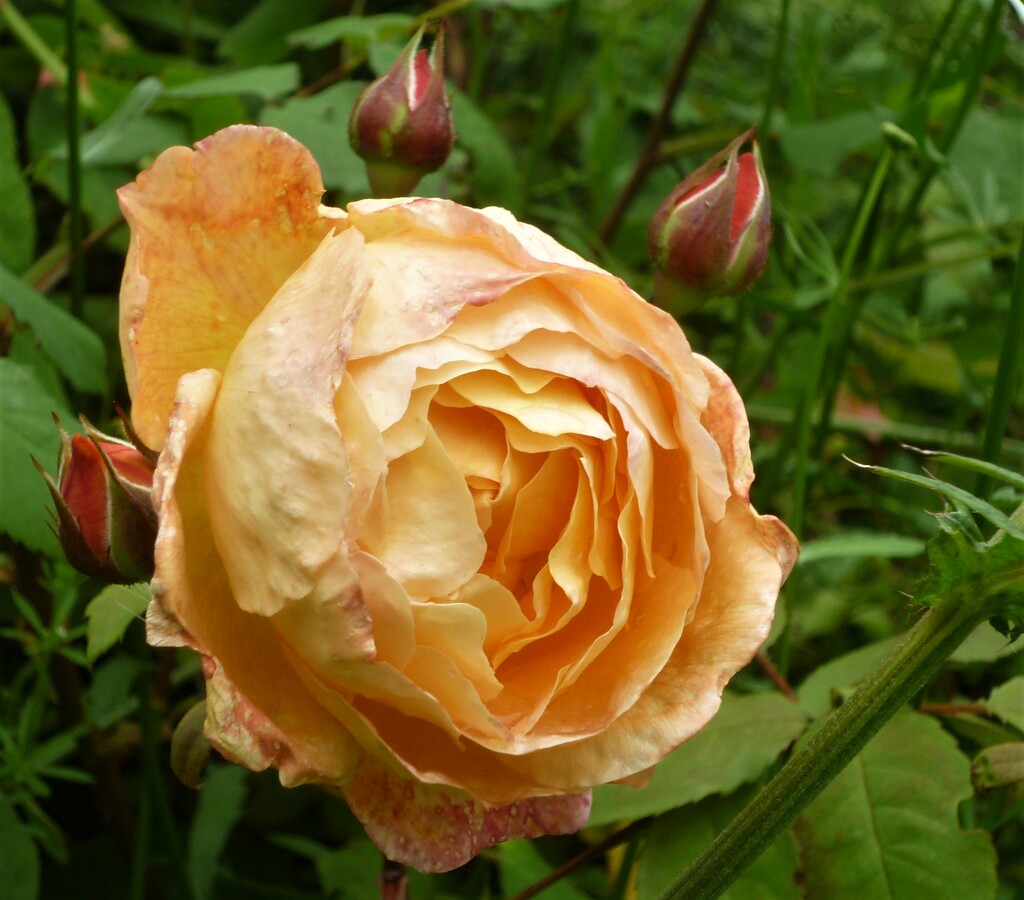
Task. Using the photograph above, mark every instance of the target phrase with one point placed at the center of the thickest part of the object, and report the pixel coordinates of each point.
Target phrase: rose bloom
(458, 522)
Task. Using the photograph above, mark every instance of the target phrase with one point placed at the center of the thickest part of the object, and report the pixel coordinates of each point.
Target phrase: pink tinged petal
(726, 420)
(429, 506)
(214, 233)
(436, 829)
(279, 494)
(259, 713)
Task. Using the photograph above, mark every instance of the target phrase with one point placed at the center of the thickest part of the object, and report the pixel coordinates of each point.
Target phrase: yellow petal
(258, 712)
(278, 489)
(215, 233)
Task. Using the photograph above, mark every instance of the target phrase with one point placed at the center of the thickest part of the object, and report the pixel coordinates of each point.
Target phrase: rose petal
(259, 712)
(279, 513)
(215, 233)
(436, 829)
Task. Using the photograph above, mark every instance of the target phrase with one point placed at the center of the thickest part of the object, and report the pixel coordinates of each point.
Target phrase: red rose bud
(401, 124)
(104, 508)
(710, 236)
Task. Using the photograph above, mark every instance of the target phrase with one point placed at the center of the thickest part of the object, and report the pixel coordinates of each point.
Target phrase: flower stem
(927, 645)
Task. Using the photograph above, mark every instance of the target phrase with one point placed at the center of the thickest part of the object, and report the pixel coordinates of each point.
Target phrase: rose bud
(710, 235)
(459, 523)
(401, 124)
(104, 510)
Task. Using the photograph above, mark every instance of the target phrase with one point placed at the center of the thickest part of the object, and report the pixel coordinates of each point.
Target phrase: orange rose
(458, 521)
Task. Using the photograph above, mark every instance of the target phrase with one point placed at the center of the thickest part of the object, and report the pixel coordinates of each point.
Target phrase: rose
(458, 521)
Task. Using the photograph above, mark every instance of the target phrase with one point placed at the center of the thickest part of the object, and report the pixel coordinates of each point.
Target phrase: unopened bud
(401, 124)
(104, 507)
(710, 236)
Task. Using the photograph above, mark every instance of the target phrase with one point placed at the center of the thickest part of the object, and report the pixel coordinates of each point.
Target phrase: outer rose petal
(436, 829)
(259, 711)
(215, 233)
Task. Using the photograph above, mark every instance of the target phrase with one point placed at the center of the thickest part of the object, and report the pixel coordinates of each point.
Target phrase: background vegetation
(888, 316)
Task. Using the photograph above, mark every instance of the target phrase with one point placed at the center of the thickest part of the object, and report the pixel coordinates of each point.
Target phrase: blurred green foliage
(552, 101)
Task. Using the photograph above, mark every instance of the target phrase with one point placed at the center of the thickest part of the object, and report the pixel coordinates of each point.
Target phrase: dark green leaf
(17, 222)
(261, 36)
(887, 827)
(26, 430)
(355, 30)
(220, 807)
(72, 346)
(19, 858)
(496, 177)
(735, 747)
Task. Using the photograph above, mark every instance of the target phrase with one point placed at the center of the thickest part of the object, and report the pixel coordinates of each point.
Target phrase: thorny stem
(843, 735)
(648, 155)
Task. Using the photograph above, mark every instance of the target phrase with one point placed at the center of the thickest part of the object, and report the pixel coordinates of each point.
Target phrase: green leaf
(735, 747)
(677, 838)
(261, 36)
(975, 504)
(858, 545)
(973, 465)
(522, 865)
(19, 860)
(26, 430)
(817, 691)
(265, 82)
(999, 765)
(105, 138)
(984, 644)
(110, 613)
(1007, 702)
(220, 807)
(496, 176)
(820, 147)
(321, 123)
(73, 347)
(354, 30)
(887, 827)
(17, 220)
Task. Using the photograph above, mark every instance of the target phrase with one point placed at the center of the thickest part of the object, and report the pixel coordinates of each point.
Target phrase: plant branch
(843, 735)
(649, 151)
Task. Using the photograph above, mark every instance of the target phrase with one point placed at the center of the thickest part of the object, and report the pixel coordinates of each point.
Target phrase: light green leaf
(73, 347)
(105, 138)
(220, 806)
(859, 544)
(974, 465)
(844, 672)
(820, 147)
(26, 430)
(110, 612)
(736, 746)
(677, 838)
(19, 859)
(354, 30)
(266, 82)
(17, 220)
(1007, 702)
(975, 504)
(887, 827)
(984, 644)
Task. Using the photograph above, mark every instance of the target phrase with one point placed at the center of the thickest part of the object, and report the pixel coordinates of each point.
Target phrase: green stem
(648, 156)
(922, 82)
(781, 36)
(932, 163)
(75, 227)
(844, 734)
(544, 131)
(1008, 374)
(828, 349)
